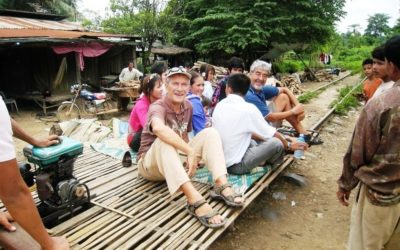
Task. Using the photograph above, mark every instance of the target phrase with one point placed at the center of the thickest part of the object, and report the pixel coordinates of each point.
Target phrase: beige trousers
(373, 227)
(162, 162)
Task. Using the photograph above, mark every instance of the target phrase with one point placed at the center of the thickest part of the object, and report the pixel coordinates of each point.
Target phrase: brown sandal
(216, 193)
(204, 219)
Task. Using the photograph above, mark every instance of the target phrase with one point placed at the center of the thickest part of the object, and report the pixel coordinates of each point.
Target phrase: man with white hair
(283, 105)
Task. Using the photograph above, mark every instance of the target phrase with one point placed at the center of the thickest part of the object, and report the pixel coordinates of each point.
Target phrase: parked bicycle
(84, 102)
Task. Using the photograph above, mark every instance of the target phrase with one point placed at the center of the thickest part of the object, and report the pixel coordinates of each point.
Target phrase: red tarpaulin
(83, 49)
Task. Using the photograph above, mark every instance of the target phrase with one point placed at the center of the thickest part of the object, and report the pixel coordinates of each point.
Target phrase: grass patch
(344, 104)
(306, 97)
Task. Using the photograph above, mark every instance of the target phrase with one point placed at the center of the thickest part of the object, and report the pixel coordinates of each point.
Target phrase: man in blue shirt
(284, 104)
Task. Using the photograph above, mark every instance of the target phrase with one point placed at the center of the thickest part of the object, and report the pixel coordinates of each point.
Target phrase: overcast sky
(358, 11)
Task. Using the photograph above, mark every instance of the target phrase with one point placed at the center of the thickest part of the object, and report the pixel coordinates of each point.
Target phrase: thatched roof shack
(176, 55)
(31, 61)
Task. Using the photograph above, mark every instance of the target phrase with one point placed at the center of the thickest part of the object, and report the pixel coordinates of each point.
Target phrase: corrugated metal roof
(21, 28)
(17, 33)
(173, 50)
(7, 22)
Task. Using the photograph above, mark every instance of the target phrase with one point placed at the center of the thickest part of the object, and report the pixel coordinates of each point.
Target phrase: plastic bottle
(299, 153)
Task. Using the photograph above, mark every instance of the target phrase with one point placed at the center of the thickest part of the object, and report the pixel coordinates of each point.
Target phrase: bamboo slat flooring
(132, 213)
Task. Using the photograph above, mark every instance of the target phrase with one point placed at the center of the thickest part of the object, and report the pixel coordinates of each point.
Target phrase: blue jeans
(270, 151)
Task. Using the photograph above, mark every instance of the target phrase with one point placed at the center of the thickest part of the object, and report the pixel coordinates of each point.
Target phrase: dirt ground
(306, 217)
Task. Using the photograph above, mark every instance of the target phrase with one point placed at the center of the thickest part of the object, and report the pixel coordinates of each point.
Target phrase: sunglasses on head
(177, 69)
(152, 76)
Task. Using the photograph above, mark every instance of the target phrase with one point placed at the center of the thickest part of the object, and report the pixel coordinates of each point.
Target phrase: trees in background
(248, 28)
(377, 28)
(377, 25)
(60, 7)
(139, 17)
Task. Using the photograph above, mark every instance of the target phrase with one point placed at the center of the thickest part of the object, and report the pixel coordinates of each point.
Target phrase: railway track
(330, 112)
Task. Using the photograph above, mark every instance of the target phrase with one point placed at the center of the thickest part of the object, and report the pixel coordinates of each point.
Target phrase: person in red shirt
(371, 83)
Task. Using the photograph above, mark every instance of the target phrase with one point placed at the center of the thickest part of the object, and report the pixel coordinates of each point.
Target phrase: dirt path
(306, 217)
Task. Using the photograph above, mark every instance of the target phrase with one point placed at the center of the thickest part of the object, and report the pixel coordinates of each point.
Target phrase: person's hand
(192, 163)
(298, 109)
(46, 142)
(298, 145)
(5, 219)
(343, 196)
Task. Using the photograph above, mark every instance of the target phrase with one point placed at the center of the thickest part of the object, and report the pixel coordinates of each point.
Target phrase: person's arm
(198, 117)
(19, 133)
(167, 135)
(257, 137)
(121, 75)
(140, 74)
(141, 111)
(362, 147)
(18, 200)
(294, 144)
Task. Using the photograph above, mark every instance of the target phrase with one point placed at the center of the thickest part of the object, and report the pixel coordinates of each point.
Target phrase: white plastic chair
(9, 101)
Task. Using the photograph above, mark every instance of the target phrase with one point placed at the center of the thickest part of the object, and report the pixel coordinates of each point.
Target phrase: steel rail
(332, 110)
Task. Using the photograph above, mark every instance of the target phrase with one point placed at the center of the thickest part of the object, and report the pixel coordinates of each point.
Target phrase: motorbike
(84, 102)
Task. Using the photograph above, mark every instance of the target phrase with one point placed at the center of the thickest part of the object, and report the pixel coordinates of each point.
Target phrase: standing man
(283, 105)
(13, 191)
(165, 136)
(380, 71)
(127, 74)
(372, 162)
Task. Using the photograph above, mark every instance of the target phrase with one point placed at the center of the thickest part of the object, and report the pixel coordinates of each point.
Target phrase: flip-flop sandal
(204, 219)
(127, 160)
(216, 193)
(310, 140)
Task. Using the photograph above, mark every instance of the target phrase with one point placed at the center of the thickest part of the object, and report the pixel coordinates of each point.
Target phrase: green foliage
(306, 97)
(61, 7)
(351, 59)
(288, 66)
(344, 103)
(140, 17)
(396, 28)
(247, 28)
(377, 25)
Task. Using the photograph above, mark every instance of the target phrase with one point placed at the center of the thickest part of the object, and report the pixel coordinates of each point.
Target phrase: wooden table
(122, 93)
(45, 102)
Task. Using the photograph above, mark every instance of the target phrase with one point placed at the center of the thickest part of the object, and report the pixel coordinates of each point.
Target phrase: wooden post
(134, 56)
(78, 68)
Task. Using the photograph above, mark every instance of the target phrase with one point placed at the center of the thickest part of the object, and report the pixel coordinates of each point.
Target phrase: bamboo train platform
(129, 212)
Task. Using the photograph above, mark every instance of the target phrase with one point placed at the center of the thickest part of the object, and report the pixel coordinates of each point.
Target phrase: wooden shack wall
(34, 68)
